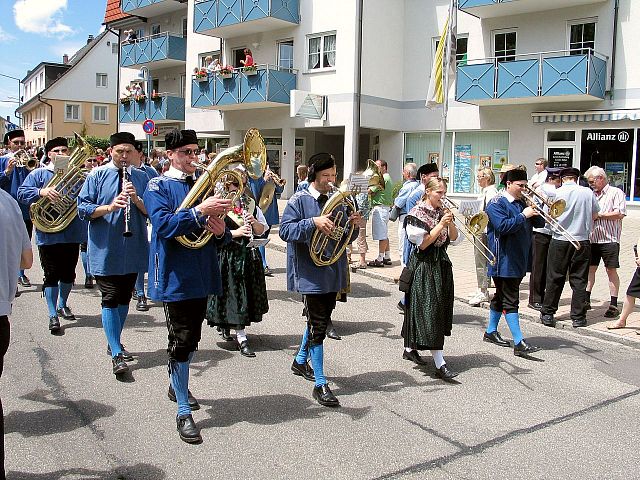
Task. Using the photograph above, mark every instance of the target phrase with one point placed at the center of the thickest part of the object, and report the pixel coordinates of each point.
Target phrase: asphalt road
(570, 413)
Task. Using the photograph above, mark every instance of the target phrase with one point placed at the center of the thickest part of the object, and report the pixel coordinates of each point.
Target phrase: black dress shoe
(141, 305)
(496, 338)
(332, 334)
(268, 272)
(54, 324)
(245, 350)
(126, 355)
(193, 403)
(386, 261)
(226, 335)
(523, 349)
(375, 263)
(535, 306)
(88, 282)
(579, 323)
(413, 356)
(445, 373)
(401, 307)
(119, 365)
(17, 293)
(303, 370)
(612, 312)
(24, 281)
(66, 313)
(188, 430)
(547, 320)
(324, 396)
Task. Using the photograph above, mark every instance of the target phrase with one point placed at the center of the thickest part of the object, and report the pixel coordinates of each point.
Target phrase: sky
(34, 31)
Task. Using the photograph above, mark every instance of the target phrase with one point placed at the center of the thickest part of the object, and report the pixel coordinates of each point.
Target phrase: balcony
(164, 109)
(233, 18)
(163, 50)
(502, 8)
(533, 78)
(151, 8)
(270, 86)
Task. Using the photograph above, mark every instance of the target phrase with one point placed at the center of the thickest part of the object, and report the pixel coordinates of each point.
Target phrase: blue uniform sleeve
(166, 222)
(279, 189)
(503, 220)
(87, 200)
(293, 226)
(5, 180)
(403, 196)
(28, 192)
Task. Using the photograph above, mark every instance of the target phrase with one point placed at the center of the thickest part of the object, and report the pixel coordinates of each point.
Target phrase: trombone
(556, 208)
(471, 227)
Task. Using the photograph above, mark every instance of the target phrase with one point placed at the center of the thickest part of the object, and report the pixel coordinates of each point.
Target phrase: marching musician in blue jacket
(179, 276)
(114, 259)
(58, 251)
(11, 177)
(318, 285)
(509, 232)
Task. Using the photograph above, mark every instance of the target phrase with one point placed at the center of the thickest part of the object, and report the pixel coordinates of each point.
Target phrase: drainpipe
(358, 88)
(614, 42)
(50, 113)
(118, 33)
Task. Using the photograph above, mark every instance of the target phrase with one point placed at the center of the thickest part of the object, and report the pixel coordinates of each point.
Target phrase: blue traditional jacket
(176, 272)
(10, 183)
(109, 252)
(296, 228)
(76, 232)
(509, 235)
(271, 214)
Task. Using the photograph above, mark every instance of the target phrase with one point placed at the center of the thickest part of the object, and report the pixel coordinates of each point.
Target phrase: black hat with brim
(570, 172)
(515, 175)
(53, 143)
(427, 168)
(119, 138)
(12, 134)
(179, 138)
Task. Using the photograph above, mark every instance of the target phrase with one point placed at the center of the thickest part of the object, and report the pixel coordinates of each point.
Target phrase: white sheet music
(360, 181)
(470, 207)
(61, 163)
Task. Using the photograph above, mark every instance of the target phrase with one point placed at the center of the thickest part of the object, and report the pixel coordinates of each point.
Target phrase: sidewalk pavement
(464, 276)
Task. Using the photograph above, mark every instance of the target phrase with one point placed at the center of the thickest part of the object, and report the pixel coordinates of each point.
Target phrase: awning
(585, 116)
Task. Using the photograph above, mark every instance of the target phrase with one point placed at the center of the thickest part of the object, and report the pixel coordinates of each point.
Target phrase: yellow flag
(435, 95)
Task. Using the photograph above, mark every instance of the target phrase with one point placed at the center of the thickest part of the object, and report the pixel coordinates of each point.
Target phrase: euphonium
(23, 159)
(326, 249)
(53, 217)
(252, 154)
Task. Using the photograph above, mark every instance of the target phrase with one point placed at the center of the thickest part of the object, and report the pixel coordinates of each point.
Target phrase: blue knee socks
(263, 254)
(513, 320)
(111, 326)
(65, 290)
(140, 285)
(303, 353)
(180, 384)
(123, 311)
(51, 295)
(494, 319)
(317, 362)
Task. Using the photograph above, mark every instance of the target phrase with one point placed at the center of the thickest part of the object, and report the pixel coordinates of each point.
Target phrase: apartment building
(77, 95)
(534, 78)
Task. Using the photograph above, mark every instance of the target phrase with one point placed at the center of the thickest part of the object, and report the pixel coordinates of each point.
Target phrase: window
(321, 51)
(213, 55)
(462, 42)
(285, 54)
(114, 48)
(139, 32)
(101, 80)
(72, 112)
(184, 27)
(183, 85)
(582, 37)
(155, 29)
(504, 46)
(100, 114)
(41, 79)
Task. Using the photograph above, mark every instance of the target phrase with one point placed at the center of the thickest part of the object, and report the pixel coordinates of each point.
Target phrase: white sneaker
(478, 299)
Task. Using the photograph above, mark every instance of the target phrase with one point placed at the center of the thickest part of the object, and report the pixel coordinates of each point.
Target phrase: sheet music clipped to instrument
(61, 163)
(358, 181)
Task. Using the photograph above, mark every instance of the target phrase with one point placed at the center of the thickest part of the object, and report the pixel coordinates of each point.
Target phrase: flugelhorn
(269, 190)
(23, 159)
(472, 227)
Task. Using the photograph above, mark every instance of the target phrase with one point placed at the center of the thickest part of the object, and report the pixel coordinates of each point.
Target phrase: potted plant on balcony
(250, 70)
(226, 72)
(141, 98)
(125, 100)
(155, 96)
(200, 74)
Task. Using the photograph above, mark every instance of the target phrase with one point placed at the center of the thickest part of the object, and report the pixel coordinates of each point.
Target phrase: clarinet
(127, 210)
(245, 217)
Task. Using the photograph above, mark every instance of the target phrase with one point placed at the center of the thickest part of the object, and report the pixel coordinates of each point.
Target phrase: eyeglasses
(18, 142)
(60, 150)
(521, 185)
(539, 163)
(188, 152)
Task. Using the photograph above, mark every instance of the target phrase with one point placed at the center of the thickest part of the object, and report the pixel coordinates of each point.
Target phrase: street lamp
(145, 76)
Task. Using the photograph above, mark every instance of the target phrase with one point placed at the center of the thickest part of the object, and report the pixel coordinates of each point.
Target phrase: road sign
(148, 126)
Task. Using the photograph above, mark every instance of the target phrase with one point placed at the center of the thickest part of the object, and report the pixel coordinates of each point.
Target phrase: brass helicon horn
(472, 227)
(252, 154)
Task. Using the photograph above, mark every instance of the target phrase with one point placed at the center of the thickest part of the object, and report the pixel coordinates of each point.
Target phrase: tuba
(325, 250)
(23, 159)
(53, 217)
(252, 154)
(375, 177)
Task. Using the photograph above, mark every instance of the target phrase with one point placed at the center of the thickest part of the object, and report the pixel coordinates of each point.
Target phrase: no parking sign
(148, 126)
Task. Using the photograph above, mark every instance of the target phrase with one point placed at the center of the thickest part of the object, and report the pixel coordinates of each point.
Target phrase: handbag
(394, 213)
(405, 279)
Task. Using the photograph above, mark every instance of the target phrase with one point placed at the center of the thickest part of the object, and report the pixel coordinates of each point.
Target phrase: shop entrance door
(612, 150)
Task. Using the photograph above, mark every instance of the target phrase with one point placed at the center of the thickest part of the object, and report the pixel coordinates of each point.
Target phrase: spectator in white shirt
(540, 176)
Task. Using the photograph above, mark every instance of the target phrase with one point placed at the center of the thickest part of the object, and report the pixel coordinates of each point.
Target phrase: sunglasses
(60, 150)
(18, 142)
(188, 152)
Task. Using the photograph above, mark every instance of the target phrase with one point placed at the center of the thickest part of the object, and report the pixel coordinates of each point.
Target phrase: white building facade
(535, 78)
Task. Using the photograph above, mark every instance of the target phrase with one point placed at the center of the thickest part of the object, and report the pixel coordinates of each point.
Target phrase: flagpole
(445, 83)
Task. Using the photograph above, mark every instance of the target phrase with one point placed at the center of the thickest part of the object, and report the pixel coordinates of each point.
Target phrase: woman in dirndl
(429, 314)
(244, 297)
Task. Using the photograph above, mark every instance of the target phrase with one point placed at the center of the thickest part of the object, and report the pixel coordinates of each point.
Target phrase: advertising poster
(560, 157)
(462, 169)
(485, 161)
(500, 158)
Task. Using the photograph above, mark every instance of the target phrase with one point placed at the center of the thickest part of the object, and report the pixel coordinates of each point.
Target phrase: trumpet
(23, 159)
(556, 208)
(269, 190)
(471, 227)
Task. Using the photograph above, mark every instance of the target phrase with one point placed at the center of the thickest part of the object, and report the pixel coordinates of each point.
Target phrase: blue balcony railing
(164, 50)
(230, 18)
(549, 76)
(165, 108)
(501, 8)
(270, 86)
(151, 8)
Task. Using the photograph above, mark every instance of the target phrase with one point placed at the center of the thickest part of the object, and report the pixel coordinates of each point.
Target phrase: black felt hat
(427, 168)
(12, 134)
(515, 175)
(119, 138)
(179, 138)
(319, 162)
(138, 145)
(53, 143)
(570, 172)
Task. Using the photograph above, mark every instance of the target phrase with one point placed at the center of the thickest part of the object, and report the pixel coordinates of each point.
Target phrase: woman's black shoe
(414, 357)
(245, 349)
(445, 373)
(188, 430)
